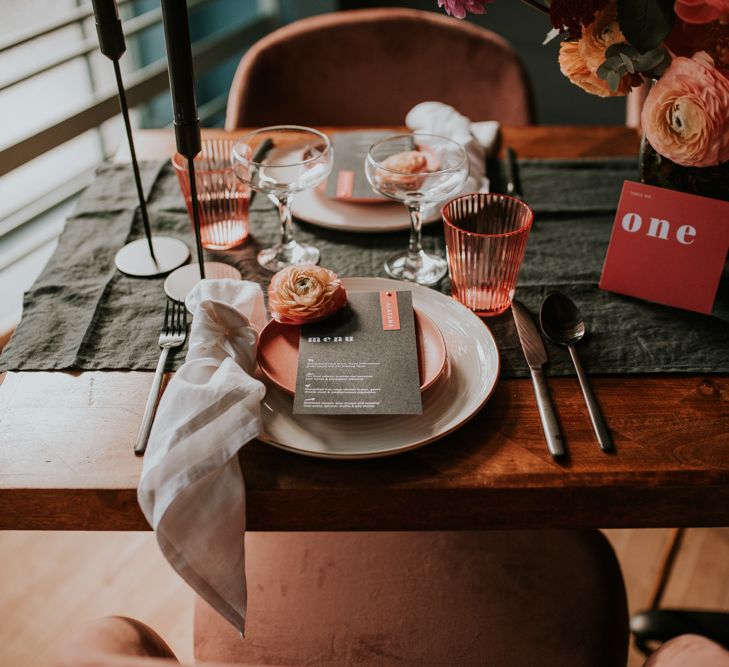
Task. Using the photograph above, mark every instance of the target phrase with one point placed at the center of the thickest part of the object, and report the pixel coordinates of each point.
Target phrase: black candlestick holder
(152, 255)
(187, 135)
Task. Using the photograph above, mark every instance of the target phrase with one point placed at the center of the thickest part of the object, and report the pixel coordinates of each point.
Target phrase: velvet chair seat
(443, 598)
(372, 66)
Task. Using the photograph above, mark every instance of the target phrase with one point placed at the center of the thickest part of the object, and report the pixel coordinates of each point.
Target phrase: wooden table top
(66, 459)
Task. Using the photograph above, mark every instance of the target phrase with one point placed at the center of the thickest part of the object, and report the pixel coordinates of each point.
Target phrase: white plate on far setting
(314, 207)
(466, 385)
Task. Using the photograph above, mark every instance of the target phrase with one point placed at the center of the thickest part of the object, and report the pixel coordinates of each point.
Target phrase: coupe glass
(280, 161)
(442, 175)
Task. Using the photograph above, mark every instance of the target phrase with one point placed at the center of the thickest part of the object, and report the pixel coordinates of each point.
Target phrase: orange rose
(686, 114)
(303, 294)
(579, 61)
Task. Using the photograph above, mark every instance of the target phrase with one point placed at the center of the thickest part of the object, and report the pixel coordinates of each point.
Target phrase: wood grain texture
(67, 462)
(66, 439)
(700, 578)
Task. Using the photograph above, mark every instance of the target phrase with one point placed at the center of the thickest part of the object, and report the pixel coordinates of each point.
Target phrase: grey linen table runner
(83, 314)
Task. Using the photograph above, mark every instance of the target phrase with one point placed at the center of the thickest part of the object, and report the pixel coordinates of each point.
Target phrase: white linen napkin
(191, 489)
(479, 140)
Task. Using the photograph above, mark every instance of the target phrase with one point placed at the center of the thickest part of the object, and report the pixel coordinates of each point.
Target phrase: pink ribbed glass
(486, 235)
(221, 198)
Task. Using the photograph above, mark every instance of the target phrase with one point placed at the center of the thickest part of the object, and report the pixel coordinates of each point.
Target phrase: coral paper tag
(345, 184)
(390, 313)
(668, 247)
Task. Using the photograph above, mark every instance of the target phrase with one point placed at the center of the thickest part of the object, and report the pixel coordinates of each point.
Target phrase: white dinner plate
(473, 369)
(314, 207)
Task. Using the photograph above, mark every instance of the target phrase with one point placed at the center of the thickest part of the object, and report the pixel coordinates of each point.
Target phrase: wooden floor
(50, 582)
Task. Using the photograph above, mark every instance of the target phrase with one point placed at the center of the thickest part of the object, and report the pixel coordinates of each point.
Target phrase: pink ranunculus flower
(686, 115)
(702, 11)
(304, 294)
(459, 8)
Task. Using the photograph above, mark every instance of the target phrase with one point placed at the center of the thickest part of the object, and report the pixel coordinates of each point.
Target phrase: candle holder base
(134, 258)
(180, 283)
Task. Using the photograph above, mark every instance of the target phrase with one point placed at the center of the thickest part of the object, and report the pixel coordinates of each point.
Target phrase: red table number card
(668, 247)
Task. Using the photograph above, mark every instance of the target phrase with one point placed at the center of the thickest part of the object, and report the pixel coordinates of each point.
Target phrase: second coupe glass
(417, 169)
(280, 161)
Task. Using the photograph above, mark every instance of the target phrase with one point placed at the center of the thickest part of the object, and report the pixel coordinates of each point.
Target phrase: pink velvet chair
(371, 66)
(506, 598)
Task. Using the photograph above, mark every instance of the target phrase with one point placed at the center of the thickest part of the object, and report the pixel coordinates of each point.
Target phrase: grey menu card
(348, 179)
(361, 360)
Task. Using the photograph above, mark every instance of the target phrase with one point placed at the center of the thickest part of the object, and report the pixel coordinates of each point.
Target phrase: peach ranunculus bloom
(580, 60)
(686, 114)
(702, 11)
(303, 294)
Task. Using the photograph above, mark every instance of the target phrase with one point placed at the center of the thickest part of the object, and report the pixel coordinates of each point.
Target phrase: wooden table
(66, 439)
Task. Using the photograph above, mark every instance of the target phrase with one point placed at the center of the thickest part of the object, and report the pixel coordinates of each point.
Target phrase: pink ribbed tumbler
(486, 235)
(222, 200)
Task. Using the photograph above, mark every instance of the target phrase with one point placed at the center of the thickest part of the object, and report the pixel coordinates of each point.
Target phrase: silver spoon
(562, 323)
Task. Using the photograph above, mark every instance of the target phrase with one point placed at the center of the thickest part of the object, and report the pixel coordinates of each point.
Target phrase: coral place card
(667, 247)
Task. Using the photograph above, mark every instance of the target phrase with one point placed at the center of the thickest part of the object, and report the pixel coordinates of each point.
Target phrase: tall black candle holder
(187, 135)
(152, 255)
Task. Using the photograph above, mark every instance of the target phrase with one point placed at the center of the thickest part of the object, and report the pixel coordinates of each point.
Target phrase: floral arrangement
(305, 294)
(611, 46)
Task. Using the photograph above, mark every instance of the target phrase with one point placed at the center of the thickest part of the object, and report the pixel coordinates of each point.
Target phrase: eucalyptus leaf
(620, 49)
(650, 60)
(614, 62)
(628, 63)
(613, 79)
(645, 23)
(603, 71)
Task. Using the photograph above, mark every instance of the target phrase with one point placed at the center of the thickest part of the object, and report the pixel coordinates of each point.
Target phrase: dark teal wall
(204, 21)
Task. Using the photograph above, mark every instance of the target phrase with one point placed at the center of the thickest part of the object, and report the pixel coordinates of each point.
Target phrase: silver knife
(536, 356)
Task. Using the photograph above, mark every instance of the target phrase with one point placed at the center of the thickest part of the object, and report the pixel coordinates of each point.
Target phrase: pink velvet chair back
(371, 66)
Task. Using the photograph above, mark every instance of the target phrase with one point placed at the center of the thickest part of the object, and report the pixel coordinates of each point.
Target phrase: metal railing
(131, 26)
(141, 86)
(74, 17)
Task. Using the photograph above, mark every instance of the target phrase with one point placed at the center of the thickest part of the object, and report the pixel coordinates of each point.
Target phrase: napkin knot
(227, 315)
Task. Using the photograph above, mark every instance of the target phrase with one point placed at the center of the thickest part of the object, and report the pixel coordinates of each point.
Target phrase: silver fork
(173, 334)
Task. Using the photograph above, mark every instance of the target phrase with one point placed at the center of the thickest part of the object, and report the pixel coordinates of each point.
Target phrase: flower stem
(537, 5)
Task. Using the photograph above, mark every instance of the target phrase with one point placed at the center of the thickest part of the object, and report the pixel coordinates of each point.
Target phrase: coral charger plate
(455, 393)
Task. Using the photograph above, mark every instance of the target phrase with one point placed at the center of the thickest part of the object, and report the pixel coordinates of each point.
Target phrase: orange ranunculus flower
(303, 294)
(686, 115)
(580, 60)
(574, 68)
(603, 32)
